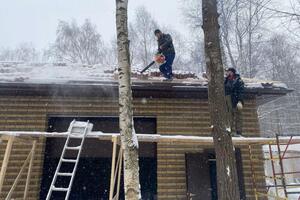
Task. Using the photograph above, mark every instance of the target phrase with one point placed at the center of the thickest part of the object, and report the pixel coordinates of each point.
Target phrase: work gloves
(239, 105)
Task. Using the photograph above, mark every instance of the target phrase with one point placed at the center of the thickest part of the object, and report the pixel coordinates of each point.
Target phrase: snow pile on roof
(255, 83)
(45, 73)
(64, 73)
(51, 73)
(154, 73)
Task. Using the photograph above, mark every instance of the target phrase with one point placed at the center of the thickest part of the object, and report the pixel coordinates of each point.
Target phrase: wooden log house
(169, 170)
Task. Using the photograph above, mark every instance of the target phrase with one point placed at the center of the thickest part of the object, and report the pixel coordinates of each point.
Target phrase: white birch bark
(128, 136)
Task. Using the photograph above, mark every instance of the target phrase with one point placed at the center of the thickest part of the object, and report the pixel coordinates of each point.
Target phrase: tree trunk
(251, 75)
(227, 179)
(128, 137)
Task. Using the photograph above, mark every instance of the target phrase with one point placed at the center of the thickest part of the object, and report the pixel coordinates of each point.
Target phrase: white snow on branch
(228, 129)
(134, 139)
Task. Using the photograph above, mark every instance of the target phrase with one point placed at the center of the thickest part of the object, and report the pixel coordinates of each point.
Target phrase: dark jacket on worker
(166, 42)
(235, 88)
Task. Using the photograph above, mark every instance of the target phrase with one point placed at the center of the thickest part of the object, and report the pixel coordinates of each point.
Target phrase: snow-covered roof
(61, 73)
(51, 73)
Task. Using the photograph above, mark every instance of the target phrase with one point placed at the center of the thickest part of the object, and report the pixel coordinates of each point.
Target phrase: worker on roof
(166, 47)
(234, 95)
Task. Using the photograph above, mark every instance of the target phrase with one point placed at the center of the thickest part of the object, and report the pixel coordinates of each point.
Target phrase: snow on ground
(290, 165)
(63, 73)
(291, 147)
(280, 192)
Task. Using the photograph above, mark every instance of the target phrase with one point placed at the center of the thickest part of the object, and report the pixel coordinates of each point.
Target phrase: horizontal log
(157, 138)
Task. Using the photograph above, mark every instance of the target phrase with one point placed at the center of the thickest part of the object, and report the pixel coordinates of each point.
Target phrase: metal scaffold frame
(278, 178)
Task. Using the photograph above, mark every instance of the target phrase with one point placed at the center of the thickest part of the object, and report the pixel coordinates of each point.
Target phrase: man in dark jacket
(166, 47)
(234, 92)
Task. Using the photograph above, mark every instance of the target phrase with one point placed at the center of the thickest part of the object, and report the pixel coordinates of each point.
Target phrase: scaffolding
(117, 160)
(278, 180)
(28, 162)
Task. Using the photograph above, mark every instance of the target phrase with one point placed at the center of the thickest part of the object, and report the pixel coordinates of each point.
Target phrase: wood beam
(157, 138)
(8, 197)
(113, 167)
(29, 169)
(6, 160)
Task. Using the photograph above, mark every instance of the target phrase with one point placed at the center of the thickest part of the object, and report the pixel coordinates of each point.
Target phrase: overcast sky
(36, 20)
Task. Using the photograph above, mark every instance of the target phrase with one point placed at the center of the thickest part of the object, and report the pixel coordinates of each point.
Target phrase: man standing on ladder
(234, 95)
(166, 47)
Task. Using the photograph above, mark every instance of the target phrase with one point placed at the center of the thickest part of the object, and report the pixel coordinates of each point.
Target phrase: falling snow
(135, 142)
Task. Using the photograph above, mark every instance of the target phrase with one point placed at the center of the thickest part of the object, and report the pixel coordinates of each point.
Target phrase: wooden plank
(157, 138)
(119, 174)
(5, 161)
(16, 139)
(29, 169)
(113, 163)
(8, 197)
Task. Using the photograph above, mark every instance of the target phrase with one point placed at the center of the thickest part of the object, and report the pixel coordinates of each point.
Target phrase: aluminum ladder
(77, 131)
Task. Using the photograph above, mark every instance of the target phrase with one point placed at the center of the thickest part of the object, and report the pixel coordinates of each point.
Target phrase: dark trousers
(234, 116)
(166, 68)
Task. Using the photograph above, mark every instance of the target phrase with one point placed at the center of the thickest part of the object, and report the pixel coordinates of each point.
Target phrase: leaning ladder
(77, 131)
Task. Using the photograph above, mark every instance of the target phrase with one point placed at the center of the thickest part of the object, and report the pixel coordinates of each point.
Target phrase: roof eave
(140, 89)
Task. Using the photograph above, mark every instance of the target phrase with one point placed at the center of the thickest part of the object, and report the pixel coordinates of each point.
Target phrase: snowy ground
(296, 196)
(290, 165)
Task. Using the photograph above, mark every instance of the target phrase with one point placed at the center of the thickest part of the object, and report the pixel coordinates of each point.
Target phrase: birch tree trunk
(227, 180)
(128, 137)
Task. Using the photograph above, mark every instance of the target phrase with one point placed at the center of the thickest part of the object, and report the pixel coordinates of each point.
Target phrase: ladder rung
(80, 124)
(64, 174)
(73, 148)
(60, 189)
(68, 160)
(76, 136)
(77, 130)
(78, 127)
